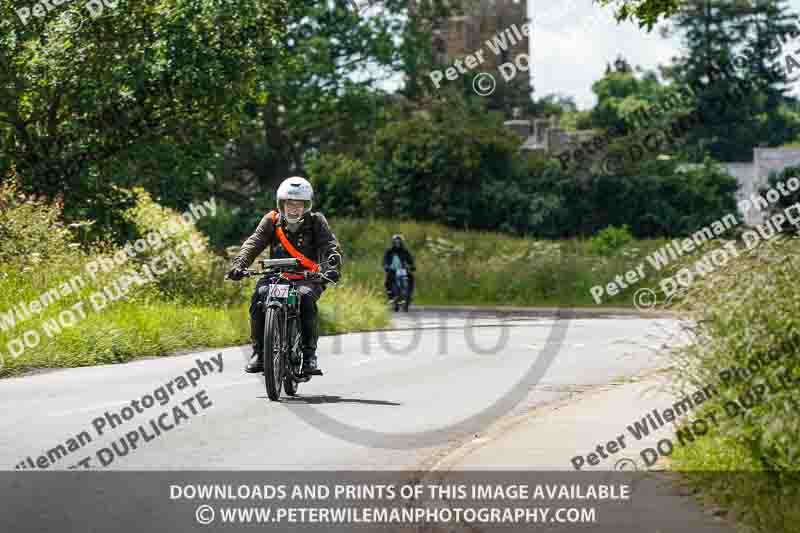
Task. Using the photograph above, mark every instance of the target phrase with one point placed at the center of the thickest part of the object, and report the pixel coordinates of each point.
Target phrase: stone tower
(482, 20)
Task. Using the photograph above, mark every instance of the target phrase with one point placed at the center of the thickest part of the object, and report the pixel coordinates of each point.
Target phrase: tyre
(274, 353)
(404, 288)
(289, 384)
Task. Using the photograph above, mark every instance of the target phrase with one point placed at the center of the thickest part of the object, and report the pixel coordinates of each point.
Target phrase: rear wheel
(274, 353)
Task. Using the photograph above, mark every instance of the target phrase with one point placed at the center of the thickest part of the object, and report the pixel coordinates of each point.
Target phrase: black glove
(332, 275)
(236, 274)
(386, 269)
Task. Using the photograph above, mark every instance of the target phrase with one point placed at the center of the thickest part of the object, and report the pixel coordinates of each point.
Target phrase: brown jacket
(314, 239)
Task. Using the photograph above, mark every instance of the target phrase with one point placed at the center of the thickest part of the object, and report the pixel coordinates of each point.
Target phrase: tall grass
(484, 268)
(188, 307)
(748, 311)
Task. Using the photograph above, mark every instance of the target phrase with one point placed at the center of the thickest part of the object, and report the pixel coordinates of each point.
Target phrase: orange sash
(294, 252)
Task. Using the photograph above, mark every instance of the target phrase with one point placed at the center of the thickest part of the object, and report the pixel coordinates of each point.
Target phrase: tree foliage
(620, 92)
(445, 167)
(145, 93)
(646, 12)
(731, 52)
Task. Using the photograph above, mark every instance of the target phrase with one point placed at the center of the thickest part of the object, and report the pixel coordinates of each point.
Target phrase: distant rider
(309, 234)
(395, 257)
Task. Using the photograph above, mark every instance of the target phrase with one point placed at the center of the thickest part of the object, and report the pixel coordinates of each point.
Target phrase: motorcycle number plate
(279, 291)
(401, 271)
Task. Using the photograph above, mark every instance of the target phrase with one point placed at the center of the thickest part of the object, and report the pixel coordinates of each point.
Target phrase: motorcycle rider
(291, 231)
(396, 255)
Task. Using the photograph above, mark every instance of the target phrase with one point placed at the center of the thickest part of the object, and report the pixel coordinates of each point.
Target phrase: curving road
(389, 400)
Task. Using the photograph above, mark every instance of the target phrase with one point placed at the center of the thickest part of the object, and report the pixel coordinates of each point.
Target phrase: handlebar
(312, 277)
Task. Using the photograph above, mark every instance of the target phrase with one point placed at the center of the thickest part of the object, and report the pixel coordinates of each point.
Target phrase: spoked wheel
(274, 354)
(289, 384)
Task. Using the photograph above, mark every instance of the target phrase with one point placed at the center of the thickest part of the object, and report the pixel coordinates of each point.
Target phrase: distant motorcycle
(400, 289)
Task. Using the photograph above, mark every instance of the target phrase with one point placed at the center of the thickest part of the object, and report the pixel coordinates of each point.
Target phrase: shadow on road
(334, 399)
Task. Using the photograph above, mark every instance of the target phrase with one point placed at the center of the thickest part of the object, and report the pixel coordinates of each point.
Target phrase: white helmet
(294, 188)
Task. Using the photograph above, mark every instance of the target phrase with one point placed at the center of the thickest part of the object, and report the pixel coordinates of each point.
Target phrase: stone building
(546, 137)
(481, 21)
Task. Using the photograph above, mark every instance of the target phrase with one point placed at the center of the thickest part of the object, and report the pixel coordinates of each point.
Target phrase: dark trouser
(388, 283)
(309, 294)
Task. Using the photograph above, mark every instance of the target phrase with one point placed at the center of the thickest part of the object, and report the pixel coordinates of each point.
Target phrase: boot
(310, 367)
(310, 335)
(256, 364)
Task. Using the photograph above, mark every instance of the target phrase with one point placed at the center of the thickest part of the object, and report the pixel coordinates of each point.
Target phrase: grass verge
(747, 317)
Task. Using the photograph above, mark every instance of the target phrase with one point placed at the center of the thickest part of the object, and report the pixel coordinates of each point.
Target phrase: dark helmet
(397, 240)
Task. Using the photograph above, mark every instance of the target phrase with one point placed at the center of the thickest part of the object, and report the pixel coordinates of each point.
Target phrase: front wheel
(274, 354)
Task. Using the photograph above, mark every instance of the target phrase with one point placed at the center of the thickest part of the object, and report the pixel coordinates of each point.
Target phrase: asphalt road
(388, 400)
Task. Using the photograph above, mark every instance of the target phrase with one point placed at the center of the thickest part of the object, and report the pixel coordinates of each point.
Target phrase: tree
(322, 99)
(731, 45)
(552, 104)
(445, 167)
(653, 198)
(620, 92)
(147, 91)
(646, 12)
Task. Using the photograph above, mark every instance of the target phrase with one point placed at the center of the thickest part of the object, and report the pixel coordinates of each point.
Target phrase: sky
(574, 39)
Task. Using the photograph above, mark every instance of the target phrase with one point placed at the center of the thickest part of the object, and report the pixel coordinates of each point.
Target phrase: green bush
(187, 307)
(339, 184)
(747, 312)
(201, 280)
(448, 168)
(610, 240)
(654, 199)
(31, 230)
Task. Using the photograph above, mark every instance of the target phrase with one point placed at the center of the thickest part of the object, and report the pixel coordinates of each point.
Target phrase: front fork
(293, 315)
